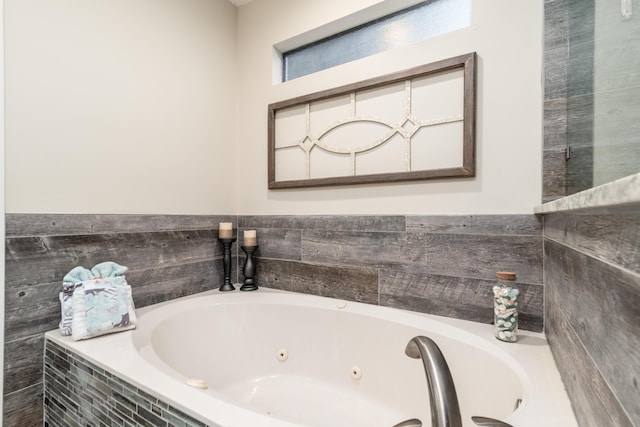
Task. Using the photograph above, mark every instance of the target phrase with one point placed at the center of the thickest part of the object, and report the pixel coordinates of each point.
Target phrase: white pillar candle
(250, 238)
(225, 231)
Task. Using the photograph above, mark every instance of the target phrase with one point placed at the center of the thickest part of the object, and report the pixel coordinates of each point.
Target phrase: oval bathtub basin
(321, 362)
(274, 358)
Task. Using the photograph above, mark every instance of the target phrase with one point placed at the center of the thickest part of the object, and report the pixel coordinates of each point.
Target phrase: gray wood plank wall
(437, 264)
(168, 257)
(568, 98)
(441, 265)
(556, 60)
(591, 261)
(584, 109)
(592, 320)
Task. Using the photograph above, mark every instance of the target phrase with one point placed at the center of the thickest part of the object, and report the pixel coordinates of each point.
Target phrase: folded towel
(102, 307)
(78, 274)
(71, 280)
(96, 302)
(108, 269)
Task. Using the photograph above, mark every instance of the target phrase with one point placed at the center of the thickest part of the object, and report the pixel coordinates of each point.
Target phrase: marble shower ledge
(619, 193)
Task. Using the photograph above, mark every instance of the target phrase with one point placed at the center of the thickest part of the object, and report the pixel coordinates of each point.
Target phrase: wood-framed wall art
(415, 124)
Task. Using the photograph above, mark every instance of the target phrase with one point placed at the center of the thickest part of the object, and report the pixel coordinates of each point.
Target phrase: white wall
(121, 106)
(132, 107)
(2, 195)
(507, 36)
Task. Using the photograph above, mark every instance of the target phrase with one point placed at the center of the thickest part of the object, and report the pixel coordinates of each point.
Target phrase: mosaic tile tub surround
(78, 393)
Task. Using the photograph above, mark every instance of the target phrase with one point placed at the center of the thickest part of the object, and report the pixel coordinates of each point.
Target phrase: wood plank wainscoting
(592, 311)
(436, 264)
(167, 256)
(441, 265)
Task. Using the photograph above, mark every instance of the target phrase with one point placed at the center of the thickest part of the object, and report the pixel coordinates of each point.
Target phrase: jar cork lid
(506, 275)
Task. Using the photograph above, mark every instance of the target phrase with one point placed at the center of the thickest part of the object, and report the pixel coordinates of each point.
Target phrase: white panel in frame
(410, 125)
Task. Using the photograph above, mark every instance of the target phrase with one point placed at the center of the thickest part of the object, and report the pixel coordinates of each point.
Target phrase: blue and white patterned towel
(71, 280)
(96, 302)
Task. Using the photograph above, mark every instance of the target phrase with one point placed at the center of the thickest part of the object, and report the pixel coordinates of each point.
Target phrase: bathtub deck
(288, 402)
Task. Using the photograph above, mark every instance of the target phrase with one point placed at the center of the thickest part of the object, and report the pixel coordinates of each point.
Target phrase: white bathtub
(273, 358)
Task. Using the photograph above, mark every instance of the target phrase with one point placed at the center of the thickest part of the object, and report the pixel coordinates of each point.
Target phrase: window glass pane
(420, 22)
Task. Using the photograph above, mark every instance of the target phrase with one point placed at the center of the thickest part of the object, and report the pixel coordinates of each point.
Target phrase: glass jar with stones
(505, 307)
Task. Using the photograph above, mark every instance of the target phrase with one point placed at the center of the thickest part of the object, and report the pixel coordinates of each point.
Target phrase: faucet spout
(445, 411)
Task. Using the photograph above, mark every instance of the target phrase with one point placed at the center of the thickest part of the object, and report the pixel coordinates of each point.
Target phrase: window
(419, 22)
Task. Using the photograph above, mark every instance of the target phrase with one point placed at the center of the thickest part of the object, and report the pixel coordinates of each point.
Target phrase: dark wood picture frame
(465, 62)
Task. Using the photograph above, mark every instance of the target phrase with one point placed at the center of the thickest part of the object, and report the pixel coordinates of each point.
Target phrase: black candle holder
(249, 270)
(226, 263)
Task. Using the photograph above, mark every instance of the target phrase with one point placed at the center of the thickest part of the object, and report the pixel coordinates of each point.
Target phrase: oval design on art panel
(355, 136)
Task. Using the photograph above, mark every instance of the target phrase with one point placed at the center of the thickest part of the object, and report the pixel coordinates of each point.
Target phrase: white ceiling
(240, 2)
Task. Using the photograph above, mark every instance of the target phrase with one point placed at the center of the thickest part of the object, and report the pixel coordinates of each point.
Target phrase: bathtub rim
(532, 351)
